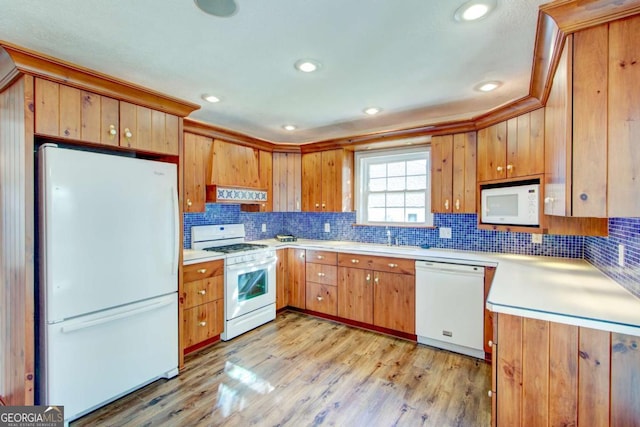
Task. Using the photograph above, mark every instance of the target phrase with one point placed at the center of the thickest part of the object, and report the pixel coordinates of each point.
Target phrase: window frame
(361, 162)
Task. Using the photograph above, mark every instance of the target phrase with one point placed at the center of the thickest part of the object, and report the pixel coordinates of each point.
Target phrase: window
(393, 187)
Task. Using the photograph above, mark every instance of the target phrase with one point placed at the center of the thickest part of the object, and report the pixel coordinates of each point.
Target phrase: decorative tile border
(228, 194)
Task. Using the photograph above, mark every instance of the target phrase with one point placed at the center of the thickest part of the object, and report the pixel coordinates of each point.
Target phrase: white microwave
(512, 205)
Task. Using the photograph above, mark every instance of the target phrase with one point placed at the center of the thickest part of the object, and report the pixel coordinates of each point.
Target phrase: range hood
(231, 194)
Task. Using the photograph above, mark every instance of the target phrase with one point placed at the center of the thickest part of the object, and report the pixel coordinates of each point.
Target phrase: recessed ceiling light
(210, 98)
(488, 86)
(220, 8)
(372, 111)
(307, 65)
(473, 10)
(289, 127)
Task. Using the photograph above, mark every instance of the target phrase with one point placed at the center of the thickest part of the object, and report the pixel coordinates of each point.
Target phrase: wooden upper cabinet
(327, 181)
(197, 171)
(266, 179)
(66, 112)
(144, 129)
(287, 181)
(235, 165)
(453, 173)
(512, 149)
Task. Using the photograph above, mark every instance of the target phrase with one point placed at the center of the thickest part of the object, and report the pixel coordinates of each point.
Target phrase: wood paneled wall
(17, 341)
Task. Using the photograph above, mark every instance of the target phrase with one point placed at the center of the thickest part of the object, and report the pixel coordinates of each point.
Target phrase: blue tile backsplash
(601, 252)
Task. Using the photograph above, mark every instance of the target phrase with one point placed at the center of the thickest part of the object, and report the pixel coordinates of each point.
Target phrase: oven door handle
(252, 265)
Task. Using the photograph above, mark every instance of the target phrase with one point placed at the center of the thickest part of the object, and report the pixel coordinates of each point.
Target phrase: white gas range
(250, 276)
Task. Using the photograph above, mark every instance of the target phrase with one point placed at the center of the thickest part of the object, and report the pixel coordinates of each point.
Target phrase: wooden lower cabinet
(296, 278)
(203, 303)
(547, 373)
(321, 280)
(282, 278)
(322, 298)
(381, 298)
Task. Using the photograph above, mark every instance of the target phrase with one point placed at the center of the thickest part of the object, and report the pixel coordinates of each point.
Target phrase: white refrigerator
(108, 260)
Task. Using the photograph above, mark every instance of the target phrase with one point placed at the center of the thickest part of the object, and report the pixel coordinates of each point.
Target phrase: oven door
(249, 286)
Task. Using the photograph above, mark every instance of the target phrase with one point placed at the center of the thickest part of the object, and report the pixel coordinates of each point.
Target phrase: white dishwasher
(450, 306)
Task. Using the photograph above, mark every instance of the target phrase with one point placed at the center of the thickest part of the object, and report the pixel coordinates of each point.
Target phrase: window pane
(417, 167)
(378, 184)
(376, 214)
(376, 200)
(417, 182)
(378, 170)
(395, 184)
(396, 168)
(415, 200)
(395, 214)
(418, 214)
(395, 199)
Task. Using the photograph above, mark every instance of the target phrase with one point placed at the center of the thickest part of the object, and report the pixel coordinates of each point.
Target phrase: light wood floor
(305, 371)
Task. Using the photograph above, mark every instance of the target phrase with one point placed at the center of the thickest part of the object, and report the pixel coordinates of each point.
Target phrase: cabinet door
(235, 165)
(355, 294)
(266, 178)
(144, 129)
(441, 173)
(203, 322)
(322, 298)
(296, 266)
(311, 182)
(394, 305)
(525, 144)
(197, 171)
(330, 188)
(492, 152)
(464, 173)
(282, 282)
(287, 179)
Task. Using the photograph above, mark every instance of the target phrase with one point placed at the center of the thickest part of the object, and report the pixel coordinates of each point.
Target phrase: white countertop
(569, 291)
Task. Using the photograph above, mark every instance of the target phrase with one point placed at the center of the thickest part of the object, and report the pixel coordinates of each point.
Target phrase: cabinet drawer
(320, 273)
(378, 263)
(202, 291)
(203, 270)
(322, 257)
(322, 298)
(202, 322)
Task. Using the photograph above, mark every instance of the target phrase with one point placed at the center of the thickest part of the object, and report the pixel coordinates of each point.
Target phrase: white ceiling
(409, 57)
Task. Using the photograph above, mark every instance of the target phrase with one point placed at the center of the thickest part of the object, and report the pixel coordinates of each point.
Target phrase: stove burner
(238, 247)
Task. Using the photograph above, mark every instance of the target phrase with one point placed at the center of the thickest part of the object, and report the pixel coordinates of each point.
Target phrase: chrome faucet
(388, 237)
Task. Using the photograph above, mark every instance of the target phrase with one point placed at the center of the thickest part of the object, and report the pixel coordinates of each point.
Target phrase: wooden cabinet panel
(464, 173)
(311, 182)
(47, 111)
(203, 322)
(441, 173)
(625, 372)
(235, 165)
(525, 144)
(297, 278)
(203, 291)
(266, 179)
(563, 375)
(287, 181)
(355, 294)
(378, 263)
(70, 112)
(327, 181)
(100, 119)
(282, 282)
(394, 301)
(148, 130)
(322, 257)
(203, 270)
(535, 378)
(593, 376)
(322, 298)
(321, 273)
(492, 152)
(197, 171)
(624, 115)
(489, 273)
(509, 368)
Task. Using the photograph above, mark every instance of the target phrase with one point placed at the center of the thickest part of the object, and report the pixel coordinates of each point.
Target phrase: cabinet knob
(368, 279)
(457, 204)
(203, 323)
(112, 131)
(499, 168)
(584, 197)
(490, 343)
(127, 133)
(202, 270)
(320, 256)
(324, 205)
(490, 393)
(510, 168)
(319, 298)
(302, 255)
(321, 274)
(376, 279)
(189, 202)
(392, 265)
(317, 205)
(446, 204)
(355, 261)
(202, 292)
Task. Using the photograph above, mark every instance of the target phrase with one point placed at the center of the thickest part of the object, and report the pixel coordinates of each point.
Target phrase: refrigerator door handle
(176, 232)
(110, 318)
